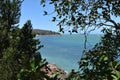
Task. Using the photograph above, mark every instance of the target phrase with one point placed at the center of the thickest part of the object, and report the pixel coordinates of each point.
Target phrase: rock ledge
(52, 69)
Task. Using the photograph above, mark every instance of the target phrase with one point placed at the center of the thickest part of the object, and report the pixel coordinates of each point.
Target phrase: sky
(32, 10)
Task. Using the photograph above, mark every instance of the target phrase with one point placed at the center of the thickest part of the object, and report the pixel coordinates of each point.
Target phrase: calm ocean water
(65, 51)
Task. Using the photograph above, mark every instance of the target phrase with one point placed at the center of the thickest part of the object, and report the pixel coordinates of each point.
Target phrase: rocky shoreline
(52, 69)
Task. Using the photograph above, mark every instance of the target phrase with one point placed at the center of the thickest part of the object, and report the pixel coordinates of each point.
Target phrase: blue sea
(65, 50)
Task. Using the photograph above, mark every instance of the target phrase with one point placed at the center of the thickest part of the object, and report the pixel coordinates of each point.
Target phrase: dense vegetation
(19, 56)
(102, 62)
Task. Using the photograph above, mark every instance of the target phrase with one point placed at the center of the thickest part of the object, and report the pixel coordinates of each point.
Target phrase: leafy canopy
(85, 14)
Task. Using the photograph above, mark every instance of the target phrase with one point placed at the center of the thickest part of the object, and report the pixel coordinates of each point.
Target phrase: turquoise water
(65, 51)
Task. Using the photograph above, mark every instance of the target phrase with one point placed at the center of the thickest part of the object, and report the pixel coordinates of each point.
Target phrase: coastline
(44, 32)
(49, 35)
(53, 69)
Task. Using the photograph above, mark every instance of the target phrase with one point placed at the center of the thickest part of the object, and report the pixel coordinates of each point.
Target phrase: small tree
(30, 57)
(27, 43)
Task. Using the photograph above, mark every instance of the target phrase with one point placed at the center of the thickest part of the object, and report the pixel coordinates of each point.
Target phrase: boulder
(52, 69)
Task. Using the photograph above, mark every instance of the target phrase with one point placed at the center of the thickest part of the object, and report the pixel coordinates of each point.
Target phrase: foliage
(9, 18)
(33, 71)
(85, 14)
(102, 61)
(19, 55)
(8, 64)
(27, 44)
(31, 61)
(73, 76)
(19, 48)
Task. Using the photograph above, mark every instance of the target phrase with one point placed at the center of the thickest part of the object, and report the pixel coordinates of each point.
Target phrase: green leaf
(54, 19)
(105, 58)
(73, 18)
(45, 13)
(32, 64)
(114, 77)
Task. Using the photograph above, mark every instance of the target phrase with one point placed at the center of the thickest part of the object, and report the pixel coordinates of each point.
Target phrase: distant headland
(45, 32)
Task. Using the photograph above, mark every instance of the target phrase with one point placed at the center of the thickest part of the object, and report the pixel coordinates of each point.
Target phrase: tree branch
(112, 21)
